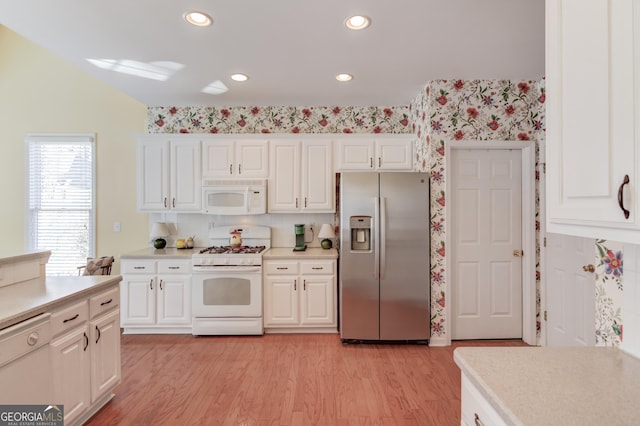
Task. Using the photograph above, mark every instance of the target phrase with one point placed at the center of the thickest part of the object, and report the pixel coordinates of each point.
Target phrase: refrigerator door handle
(376, 238)
(383, 236)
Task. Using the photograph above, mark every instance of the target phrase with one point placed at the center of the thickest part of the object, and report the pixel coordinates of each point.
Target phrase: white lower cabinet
(156, 296)
(300, 296)
(476, 410)
(85, 354)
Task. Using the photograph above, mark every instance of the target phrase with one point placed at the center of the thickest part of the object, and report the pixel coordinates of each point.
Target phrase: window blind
(61, 199)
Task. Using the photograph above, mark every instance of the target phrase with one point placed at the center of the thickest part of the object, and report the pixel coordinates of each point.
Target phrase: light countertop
(30, 298)
(7, 256)
(165, 253)
(556, 386)
(309, 253)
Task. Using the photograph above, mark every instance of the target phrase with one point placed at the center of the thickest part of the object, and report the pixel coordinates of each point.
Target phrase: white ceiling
(291, 49)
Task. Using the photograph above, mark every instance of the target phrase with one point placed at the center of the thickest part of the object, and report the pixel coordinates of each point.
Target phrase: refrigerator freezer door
(359, 285)
(404, 284)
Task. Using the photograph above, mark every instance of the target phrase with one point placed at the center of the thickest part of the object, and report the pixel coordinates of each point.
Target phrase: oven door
(228, 292)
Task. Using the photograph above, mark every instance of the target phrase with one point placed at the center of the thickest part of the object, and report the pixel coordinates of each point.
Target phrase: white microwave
(234, 196)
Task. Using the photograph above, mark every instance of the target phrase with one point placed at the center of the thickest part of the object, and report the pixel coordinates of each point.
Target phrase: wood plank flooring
(283, 379)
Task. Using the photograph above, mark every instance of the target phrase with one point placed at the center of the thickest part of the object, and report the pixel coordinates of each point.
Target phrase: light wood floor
(283, 380)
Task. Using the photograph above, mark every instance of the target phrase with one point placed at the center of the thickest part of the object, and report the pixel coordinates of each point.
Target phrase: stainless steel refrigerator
(384, 256)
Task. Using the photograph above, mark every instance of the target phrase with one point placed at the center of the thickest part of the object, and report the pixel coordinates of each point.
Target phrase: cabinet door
(394, 154)
(218, 158)
(153, 175)
(174, 299)
(71, 373)
(318, 179)
(317, 304)
(105, 354)
(355, 154)
(280, 301)
(137, 299)
(591, 73)
(186, 177)
(253, 158)
(284, 182)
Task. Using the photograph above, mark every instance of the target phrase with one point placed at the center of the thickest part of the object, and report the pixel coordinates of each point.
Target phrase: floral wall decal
(609, 292)
(449, 110)
(270, 119)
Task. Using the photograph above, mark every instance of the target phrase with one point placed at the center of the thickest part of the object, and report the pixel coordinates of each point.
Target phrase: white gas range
(227, 282)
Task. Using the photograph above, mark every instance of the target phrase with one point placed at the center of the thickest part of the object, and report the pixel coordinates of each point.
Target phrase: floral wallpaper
(270, 119)
(609, 291)
(449, 110)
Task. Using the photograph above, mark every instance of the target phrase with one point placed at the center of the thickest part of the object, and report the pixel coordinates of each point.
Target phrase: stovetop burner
(233, 250)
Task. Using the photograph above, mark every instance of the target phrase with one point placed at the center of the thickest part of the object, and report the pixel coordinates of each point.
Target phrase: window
(61, 199)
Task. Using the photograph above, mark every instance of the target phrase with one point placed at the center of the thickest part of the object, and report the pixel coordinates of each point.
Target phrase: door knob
(518, 253)
(589, 268)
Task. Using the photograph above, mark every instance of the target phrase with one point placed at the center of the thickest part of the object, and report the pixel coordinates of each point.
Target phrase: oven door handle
(241, 269)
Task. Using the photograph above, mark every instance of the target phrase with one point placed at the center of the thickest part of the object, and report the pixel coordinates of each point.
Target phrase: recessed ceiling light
(239, 77)
(357, 22)
(344, 77)
(198, 19)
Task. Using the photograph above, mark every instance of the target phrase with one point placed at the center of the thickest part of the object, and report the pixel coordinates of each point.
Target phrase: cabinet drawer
(281, 268)
(317, 267)
(104, 302)
(69, 317)
(174, 267)
(138, 267)
(475, 409)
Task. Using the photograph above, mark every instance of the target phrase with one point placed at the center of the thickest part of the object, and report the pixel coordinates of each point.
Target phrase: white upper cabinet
(169, 175)
(235, 158)
(593, 84)
(302, 178)
(375, 152)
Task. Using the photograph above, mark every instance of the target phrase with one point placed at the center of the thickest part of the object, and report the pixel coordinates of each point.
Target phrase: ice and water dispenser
(360, 233)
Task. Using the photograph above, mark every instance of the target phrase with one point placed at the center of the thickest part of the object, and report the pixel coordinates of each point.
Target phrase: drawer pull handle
(625, 181)
(98, 338)
(476, 420)
(160, 284)
(174, 267)
(86, 341)
(317, 268)
(33, 338)
(107, 302)
(71, 319)
(282, 268)
(138, 267)
(295, 285)
(151, 284)
(304, 284)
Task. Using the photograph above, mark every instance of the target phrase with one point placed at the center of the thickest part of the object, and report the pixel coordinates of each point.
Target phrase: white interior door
(570, 291)
(486, 252)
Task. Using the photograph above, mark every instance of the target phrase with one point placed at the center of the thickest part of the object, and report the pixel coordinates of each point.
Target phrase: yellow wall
(40, 93)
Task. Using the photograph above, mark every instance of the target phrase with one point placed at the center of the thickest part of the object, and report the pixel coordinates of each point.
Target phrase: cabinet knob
(33, 338)
(518, 253)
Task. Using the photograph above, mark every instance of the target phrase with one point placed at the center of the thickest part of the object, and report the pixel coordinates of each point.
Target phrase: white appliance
(227, 282)
(234, 196)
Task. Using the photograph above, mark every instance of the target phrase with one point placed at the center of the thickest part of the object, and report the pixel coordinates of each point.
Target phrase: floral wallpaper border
(271, 119)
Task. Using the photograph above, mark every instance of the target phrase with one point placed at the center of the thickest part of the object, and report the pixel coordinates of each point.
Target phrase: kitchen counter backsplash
(183, 225)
